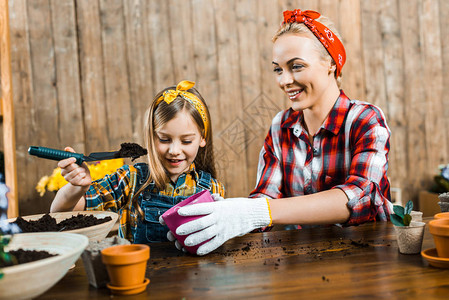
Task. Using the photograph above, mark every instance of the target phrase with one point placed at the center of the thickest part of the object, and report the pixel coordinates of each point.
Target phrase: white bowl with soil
(94, 233)
(29, 280)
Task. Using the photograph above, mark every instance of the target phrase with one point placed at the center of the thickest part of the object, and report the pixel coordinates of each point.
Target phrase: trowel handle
(55, 154)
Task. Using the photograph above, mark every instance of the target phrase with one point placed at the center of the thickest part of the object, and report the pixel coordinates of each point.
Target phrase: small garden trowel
(55, 154)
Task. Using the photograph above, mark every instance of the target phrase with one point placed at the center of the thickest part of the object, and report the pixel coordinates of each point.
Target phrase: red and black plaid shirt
(349, 152)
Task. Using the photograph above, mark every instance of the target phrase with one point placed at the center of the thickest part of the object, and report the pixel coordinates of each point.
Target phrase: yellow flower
(97, 170)
(40, 187)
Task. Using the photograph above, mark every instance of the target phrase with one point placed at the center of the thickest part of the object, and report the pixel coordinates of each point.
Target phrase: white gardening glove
(223, 220)
(171, 237)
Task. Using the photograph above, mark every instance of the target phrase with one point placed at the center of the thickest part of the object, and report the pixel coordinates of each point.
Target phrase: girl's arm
(71, 196)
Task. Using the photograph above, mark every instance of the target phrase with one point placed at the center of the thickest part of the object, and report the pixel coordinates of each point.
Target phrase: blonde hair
(302, 29)
(159, 114)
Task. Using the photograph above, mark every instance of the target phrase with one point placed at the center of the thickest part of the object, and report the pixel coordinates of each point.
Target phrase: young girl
(324, 160)
(178, 136)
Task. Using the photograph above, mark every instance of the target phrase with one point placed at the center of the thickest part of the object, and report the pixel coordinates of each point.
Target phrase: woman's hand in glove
(223, 219)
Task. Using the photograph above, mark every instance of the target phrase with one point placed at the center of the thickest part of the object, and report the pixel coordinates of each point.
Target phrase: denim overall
(154, 205)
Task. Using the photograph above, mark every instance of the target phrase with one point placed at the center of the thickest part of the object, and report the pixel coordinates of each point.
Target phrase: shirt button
(315, 151)
(296, 131)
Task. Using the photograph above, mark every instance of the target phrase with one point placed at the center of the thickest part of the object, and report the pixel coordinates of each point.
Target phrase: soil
(25, 256)
(132, 150)
(48, 223)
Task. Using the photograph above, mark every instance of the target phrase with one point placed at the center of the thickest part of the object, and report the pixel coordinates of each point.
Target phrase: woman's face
(177, 143)
(300, 70)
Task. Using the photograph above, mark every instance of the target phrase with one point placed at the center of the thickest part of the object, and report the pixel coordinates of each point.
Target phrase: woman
(324, 160)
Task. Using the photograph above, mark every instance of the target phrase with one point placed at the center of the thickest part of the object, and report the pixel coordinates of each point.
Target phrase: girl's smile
(174, 162)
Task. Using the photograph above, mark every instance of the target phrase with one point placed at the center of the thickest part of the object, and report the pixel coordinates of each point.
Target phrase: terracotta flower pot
(439, 228)
(443, 215)
(410, 238)
(126, 266)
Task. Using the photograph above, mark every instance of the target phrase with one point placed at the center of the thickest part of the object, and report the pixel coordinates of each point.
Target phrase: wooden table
(330, 263)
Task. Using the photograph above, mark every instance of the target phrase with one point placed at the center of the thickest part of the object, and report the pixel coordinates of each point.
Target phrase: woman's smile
(294, 94)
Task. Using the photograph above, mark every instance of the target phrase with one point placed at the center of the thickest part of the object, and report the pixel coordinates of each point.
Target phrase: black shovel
(55, 154)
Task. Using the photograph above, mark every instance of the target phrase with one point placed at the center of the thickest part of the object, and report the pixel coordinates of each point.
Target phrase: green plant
(401, 216)
(5, 257)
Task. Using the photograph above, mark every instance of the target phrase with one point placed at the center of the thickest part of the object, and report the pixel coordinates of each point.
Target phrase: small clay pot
(442, 215)
(410, 238)
(439, 228)
(126, 264)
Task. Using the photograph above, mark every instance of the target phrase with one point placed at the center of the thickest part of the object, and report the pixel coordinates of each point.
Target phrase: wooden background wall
(84, 72)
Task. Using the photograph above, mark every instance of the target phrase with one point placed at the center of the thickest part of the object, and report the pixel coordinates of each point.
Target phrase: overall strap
(143, 173)
(204, 180)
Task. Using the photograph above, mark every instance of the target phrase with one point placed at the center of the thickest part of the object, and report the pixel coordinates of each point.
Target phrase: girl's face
(177, 143)
(300, 70)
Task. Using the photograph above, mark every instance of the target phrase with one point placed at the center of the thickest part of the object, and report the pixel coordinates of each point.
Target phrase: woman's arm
(327, 207)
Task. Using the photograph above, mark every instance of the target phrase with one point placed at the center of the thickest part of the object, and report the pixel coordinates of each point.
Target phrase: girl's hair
(301, 29)
(158, 114)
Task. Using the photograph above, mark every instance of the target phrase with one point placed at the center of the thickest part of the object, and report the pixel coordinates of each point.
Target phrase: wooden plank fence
(84, 72)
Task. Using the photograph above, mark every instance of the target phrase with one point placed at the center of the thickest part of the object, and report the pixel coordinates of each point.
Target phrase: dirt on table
(48, 223)
(21, 256)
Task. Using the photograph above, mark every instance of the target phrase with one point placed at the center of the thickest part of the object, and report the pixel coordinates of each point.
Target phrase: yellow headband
(181, 90)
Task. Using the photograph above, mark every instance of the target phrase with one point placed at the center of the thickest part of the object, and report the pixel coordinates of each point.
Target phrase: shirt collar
(191, 171)
(332, 123)
(191, 168)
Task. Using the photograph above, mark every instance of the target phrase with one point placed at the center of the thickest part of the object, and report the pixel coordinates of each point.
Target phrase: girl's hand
(73, 173)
